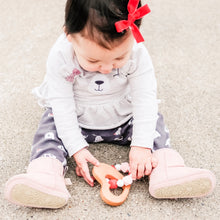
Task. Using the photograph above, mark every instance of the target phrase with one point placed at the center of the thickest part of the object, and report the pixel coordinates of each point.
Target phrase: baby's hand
(141, 162)
(82, 157)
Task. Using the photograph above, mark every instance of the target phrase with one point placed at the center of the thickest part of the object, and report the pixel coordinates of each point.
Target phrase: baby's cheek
(121, 64)
(84, 64)
(89, 67)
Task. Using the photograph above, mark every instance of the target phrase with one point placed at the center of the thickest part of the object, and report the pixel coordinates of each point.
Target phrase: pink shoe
(43, 186)
(171, 179)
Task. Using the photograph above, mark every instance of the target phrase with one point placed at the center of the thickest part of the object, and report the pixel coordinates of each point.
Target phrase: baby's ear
(64, 29)
(68, 36)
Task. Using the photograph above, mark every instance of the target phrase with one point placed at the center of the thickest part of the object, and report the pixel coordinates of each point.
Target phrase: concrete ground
(183, 39)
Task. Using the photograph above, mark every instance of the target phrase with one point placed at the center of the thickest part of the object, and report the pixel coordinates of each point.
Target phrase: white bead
(107, 180)
(120, 183)
(118, 167)
(127, 180)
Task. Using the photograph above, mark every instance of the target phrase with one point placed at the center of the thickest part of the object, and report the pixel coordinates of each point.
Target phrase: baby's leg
(46, 142)
(171, 178)
(43, 185)
(162, 138)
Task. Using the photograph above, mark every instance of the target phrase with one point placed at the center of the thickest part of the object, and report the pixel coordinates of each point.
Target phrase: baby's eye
(93, 61)
(119, 58)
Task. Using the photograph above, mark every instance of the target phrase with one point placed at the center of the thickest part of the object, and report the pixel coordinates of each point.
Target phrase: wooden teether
(104, 171)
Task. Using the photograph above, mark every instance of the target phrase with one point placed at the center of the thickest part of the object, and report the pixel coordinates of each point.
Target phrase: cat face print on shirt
(99, 84)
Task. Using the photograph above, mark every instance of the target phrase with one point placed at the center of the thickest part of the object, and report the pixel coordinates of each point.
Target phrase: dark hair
(99, 17)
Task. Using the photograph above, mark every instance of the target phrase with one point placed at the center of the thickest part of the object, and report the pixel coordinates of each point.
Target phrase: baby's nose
(106, 69)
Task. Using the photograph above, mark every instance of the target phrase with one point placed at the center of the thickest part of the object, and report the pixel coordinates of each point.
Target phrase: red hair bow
(134, 14)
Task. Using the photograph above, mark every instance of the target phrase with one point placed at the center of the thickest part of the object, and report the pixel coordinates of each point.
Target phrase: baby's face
(94, 58)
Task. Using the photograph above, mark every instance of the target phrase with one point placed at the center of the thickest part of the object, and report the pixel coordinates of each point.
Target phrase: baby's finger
(90, 158)
(133, 170)
(148, 168)
(140, 172)
(86, 175)
(154, 162)
(78, 172)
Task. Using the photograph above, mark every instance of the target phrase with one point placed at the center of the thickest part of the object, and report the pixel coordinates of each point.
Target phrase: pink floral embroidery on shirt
(71, 77)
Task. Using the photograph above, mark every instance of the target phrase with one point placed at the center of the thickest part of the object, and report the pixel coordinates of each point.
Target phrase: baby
(100, 86)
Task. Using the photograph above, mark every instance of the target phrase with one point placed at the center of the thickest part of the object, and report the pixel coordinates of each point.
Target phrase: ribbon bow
(134, 14)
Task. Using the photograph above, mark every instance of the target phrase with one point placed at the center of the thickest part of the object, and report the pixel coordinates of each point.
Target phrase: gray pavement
(183, 38)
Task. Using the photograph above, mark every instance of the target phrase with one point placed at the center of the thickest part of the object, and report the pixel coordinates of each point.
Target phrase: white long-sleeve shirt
(99, 101)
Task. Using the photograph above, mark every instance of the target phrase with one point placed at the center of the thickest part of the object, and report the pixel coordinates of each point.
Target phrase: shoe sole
(28, 196)
(195, 188)
(24, 192)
